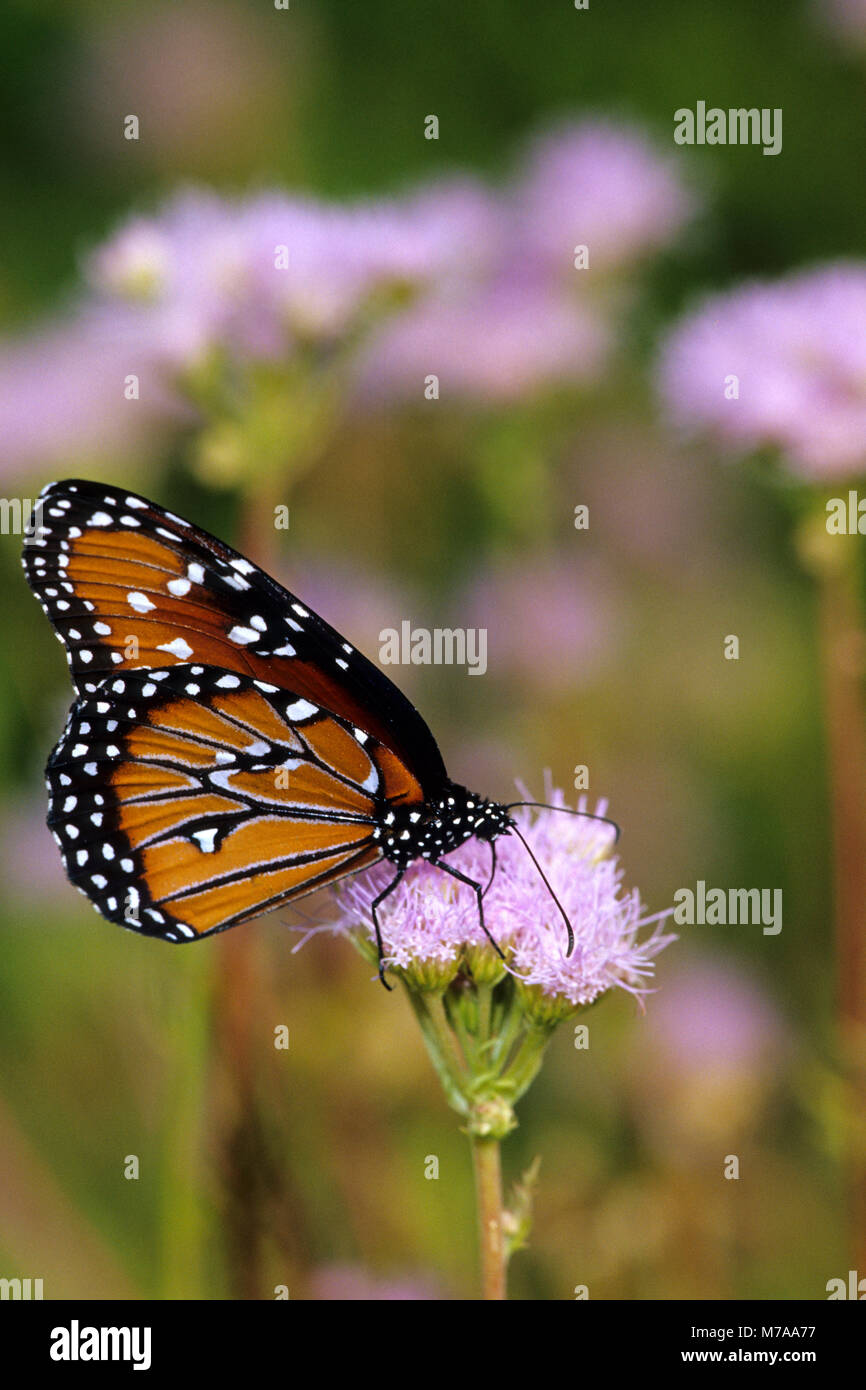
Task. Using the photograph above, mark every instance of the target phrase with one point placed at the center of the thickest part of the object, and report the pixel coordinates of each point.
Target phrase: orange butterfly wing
(128, 585)
(188, 799)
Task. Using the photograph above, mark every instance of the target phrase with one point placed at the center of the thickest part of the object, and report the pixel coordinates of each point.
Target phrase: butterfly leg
(479, 894)
(489, 883)
(375, 903)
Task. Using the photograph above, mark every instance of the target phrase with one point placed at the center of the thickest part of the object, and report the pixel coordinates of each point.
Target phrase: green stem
(505, 1038)
(454, 1012)
(488, 1186)
(442, 1028)
(439, 1041)
(485, 1012)
(526, 1062)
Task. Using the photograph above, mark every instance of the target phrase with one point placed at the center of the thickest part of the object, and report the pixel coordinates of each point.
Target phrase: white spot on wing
(179, 648)
(301, 709)
(140, 602)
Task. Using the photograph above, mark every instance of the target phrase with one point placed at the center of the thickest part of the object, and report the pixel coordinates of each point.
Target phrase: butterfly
(228, 752)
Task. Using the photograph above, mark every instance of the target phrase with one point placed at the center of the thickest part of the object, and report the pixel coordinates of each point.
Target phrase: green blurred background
(305, 1168)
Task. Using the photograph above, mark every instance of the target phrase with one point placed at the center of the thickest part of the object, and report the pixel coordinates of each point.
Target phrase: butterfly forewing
(190, 798)
(129, 586)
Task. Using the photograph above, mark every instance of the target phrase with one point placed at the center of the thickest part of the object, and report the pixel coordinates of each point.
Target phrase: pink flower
(552, 622)
(251, 281)
(32, 872)
(63, 392)
(712, 1013)
(337, 256)
(180, 278)
(495, 343)
(431, 920)
(778, 365)
(449, 280)
(602, 185)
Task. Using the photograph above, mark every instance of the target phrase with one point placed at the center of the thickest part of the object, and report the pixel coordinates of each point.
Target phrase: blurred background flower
(715, 1048)
(492, 346)
(552, 621)
(845, 19)
(166, 66)
(449, 279)
(779, 366)
(602, 185)
(344, 1283)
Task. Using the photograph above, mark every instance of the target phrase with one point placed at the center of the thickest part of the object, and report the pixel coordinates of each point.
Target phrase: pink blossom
(778, 365)
(63, 392)
(497, 343)
(432, 919)
(551, 621)
(603, 185)
(711, 1012)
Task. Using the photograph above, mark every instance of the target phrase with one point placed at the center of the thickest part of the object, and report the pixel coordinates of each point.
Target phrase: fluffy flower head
(431, 929)
(798, 352)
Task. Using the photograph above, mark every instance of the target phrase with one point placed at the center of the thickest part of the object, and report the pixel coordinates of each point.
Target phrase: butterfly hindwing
(130, 586)
(189, 798)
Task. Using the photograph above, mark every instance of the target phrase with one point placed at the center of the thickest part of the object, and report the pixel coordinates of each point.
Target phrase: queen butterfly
(228, 751)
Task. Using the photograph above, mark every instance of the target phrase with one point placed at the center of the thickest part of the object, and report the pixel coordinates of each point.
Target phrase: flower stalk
(486, 1020)
(834, 562)
(484, 1073)
(491, 1233)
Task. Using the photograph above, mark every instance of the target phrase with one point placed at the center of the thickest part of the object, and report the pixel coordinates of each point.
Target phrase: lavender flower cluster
(778, 365)
(431, 929)
(475, 285)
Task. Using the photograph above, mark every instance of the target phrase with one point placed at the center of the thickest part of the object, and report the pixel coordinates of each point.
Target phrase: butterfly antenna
(588, 815)
(546, 881)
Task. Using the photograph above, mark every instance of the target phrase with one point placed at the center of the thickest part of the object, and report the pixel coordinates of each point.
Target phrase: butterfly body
(439, 826)
(228, 751)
